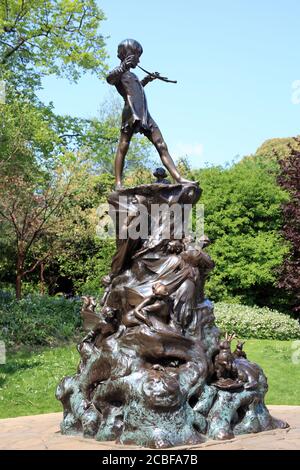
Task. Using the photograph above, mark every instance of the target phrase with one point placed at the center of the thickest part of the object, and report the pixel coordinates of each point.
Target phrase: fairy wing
(133, 297)
(90, 319)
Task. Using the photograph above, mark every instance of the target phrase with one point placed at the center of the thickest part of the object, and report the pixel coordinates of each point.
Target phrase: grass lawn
(29, 379)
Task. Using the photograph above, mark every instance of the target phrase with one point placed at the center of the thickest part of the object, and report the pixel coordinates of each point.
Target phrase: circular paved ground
(42, 432)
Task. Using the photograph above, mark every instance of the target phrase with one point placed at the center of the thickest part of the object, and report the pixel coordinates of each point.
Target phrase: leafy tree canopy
(243, 218)
(39, 37)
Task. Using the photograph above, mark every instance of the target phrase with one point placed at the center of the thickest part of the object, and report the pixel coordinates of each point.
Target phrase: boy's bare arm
(147, 79)
(115, 75)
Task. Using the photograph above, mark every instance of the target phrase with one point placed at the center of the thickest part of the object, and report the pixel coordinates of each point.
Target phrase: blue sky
(236, 62)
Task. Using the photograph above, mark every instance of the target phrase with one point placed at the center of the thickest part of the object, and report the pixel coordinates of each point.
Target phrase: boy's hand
(128, 62)
(150, 77)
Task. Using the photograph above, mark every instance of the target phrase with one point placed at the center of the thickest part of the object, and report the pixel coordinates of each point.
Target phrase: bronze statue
(136, 117)
(156, 304)
(239, 352)
(153, 369)
(233, 370)
(161, 176)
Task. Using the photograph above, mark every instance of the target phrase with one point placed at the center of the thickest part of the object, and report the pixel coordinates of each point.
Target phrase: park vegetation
(55, 170)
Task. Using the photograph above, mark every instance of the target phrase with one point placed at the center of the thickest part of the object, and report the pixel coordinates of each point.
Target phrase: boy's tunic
(135, 116)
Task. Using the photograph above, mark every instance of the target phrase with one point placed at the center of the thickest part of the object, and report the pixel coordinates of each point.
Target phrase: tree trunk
(19, 286)
(42, 279)
(19, 278)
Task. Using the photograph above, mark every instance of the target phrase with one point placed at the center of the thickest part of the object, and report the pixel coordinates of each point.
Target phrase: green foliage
(52, 37)
(40, 37)
(38, 320)
(104, 186)
(37, 149)
(289, 179)
(246, 268)
(86, 262)
(7, 254)
(49, 193)
(26, 137)
(254, 322)
(102, 137)
(81, 255)
(184, 168)
(274, 148)
(243, 219)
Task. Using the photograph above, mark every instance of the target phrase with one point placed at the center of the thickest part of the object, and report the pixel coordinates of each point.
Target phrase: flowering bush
(255, 322)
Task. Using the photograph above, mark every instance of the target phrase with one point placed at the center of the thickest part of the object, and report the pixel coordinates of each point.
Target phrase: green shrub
(255, 322)
(243, 219)
(44, 320)
(38, 320)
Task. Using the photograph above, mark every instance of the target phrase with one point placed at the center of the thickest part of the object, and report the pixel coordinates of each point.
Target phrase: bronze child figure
(135, 116)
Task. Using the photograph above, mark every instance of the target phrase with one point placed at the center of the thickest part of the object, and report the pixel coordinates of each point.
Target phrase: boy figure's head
(130, 47)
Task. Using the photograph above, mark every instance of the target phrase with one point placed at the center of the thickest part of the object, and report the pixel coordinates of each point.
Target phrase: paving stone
(42, 432)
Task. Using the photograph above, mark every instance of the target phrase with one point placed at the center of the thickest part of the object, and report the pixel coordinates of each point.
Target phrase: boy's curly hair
(129, 46)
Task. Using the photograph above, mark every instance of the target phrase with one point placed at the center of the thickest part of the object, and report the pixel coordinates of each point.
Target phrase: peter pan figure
(135, 116)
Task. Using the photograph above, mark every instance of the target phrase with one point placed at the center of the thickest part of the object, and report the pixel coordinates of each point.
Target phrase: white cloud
(192, 150)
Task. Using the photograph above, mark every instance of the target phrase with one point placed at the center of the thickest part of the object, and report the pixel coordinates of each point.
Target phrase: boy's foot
(185, 181)
(119, 186)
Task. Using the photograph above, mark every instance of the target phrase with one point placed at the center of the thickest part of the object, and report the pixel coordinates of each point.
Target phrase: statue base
(153, 370)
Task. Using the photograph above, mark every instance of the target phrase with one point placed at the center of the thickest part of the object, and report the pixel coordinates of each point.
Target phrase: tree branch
(36, 264)
(45, 218)
(13, 50)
